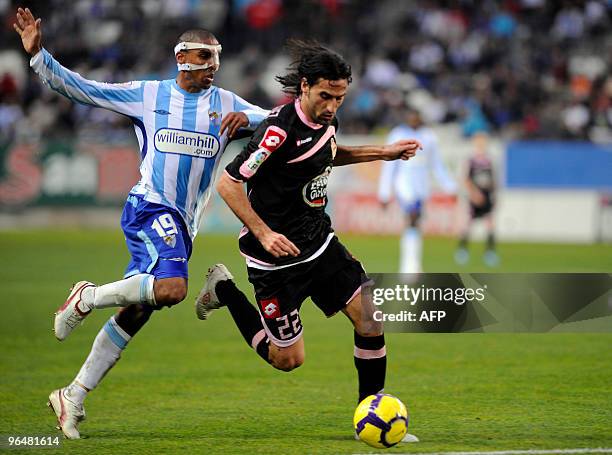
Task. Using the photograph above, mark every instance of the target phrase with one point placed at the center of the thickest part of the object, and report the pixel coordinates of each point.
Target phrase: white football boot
(69, 415)
(410, 438)
(407, 438)
(207, 300)
(71, 313)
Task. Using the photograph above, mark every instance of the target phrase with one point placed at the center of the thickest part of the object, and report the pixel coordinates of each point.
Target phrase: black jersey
(481, 173)
(286, 165)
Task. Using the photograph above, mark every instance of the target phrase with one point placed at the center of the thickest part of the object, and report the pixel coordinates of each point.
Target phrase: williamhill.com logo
(201, 145)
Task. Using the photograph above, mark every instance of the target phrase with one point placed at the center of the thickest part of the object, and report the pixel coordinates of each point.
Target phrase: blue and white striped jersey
(409, 181)
(178, 131)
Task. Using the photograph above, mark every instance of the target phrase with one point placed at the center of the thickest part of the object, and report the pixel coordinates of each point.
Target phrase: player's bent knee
(170, 292)
(370, 328)
(370, 333)
(287, 361)
(174, 297)
(366, 325)
(287, 364)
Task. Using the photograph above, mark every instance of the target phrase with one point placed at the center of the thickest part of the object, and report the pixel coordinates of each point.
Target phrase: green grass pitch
(195, 387)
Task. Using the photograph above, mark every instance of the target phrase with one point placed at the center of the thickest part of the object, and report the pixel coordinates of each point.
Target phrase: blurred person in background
(480, 186)
(409, 183)
(183, 126)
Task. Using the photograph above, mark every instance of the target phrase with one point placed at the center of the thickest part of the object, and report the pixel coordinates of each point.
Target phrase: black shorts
(331, 280)
(478, 211)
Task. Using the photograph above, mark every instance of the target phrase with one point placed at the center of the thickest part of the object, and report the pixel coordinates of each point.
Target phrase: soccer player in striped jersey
(183, 126)
(409, 183)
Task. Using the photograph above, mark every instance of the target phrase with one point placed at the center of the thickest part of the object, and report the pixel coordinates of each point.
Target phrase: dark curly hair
(312, 61)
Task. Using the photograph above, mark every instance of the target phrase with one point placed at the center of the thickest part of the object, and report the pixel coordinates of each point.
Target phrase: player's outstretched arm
(29, 30)
(122, 98)
(233, 194)
(403, 149)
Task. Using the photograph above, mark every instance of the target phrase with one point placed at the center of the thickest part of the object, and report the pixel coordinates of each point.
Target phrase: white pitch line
(519, 452)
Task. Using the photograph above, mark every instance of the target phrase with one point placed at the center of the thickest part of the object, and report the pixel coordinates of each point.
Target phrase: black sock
(245, 316)
(463, 242)
(371, 364)
(491, 241)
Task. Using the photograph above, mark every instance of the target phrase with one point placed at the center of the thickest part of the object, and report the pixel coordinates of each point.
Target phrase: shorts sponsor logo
(199, 145)
(270, 308)
(315, 191)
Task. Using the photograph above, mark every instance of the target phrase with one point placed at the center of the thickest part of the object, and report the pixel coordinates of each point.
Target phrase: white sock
(411, 247)
(106, 350)
(75, 392)
(135, 289)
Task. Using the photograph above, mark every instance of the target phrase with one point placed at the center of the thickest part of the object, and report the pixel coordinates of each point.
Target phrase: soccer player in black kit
(480, 184)
(290, 247)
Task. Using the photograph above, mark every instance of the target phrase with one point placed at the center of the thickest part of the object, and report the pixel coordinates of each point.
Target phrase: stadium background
(534, 74)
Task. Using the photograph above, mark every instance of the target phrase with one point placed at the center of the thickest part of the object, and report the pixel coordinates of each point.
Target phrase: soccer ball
(381, 420)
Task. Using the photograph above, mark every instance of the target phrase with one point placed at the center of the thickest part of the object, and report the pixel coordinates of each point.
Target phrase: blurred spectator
(575, 117)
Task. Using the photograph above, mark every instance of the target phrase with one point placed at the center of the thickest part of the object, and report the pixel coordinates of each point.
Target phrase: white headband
(215, 49)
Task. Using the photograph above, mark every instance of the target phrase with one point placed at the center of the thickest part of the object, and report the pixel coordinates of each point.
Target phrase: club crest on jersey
(270, 308)
(334, 147)
(315, 191)
(214, 117)
(172, 140)
(170, 240)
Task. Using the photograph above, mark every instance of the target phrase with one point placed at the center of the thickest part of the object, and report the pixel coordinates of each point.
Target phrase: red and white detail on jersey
(272, 139)
(270, 309)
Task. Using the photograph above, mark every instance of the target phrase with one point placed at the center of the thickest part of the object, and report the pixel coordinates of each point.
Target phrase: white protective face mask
(215, 49)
